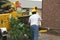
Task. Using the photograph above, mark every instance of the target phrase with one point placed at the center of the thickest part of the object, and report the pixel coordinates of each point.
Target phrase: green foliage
(19, 31)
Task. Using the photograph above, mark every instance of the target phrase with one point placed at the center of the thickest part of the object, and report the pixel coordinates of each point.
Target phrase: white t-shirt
(35, 19)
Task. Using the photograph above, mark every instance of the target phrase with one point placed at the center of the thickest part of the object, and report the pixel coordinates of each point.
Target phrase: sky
(29, 3)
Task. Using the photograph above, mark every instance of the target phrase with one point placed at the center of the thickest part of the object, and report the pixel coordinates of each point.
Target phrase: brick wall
(51, 14)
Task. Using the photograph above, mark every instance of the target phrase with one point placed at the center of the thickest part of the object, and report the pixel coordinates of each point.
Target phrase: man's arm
(40, 19)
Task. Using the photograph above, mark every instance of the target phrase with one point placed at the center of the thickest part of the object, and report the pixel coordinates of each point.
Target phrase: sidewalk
(44, 36)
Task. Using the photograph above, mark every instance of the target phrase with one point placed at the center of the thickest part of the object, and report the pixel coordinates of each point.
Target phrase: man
(34, 23)
(18, 6)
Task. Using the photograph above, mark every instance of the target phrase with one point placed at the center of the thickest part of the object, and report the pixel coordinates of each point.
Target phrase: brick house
(51, 14)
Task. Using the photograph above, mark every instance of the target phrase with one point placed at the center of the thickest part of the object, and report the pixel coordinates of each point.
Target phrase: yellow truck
(6, 12)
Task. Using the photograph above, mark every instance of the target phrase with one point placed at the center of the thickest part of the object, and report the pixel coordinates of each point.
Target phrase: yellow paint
(4, 21)
(17, 14)
(14, 14)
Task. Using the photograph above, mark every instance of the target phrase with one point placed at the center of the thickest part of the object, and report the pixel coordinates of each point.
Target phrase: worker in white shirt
(34, 20)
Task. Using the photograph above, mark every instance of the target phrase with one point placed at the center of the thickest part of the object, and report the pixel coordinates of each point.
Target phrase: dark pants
(34, 30)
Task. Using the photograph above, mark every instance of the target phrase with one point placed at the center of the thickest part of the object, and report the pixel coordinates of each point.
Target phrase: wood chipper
(6, 12)
(4, 20)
